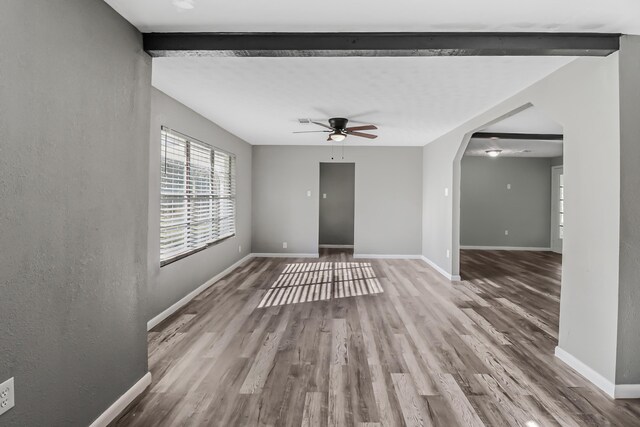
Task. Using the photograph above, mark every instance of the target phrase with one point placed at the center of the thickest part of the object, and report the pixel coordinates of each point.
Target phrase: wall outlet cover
(7, 396)
(284, 245)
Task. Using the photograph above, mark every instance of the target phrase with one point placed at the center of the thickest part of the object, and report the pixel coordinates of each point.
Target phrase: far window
(197, 195)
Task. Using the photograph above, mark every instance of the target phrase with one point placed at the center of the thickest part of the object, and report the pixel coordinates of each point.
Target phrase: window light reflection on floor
(320, 281)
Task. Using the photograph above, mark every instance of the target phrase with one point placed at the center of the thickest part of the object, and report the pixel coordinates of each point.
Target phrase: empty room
(341, 214)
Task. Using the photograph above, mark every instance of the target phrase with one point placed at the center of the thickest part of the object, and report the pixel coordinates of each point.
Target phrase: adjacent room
(258, 214)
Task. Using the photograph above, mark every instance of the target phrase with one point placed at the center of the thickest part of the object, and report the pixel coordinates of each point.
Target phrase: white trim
(386, 256)
(506, 248)
(453, 278)
(597, 379)
(285, 255)
(627, 391)
(191, 295)
(123, 401)
(336, 246)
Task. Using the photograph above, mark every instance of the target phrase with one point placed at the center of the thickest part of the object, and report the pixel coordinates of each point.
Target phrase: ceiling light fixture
(184, 4)
(493, 153)
(337, 136)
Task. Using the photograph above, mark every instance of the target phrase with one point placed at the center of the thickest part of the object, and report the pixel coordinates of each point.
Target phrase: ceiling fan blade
(322, 124)
(313, 131)
(364, 135)
(367, 127)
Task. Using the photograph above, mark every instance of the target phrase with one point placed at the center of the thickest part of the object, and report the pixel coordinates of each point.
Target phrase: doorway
(337, 205)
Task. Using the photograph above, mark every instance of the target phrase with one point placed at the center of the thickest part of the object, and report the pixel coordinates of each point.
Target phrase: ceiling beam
(379, 44)
(519, 136)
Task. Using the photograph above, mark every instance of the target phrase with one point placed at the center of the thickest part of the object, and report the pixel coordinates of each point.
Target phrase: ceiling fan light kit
(338, 130)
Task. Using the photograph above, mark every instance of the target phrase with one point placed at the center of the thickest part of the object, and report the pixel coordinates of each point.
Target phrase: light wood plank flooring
(417, 351)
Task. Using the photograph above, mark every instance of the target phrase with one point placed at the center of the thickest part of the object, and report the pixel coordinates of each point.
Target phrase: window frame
(232, 171)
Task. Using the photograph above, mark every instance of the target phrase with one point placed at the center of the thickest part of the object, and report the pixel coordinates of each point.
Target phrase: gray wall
(584, 97)
(557, 161)
(74, 120)
(387, 200)
(172, 282)
(488, 207)
(628, 362)
(337, 182)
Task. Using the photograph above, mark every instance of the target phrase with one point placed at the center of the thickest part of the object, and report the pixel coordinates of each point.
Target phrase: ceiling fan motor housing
(338, 123)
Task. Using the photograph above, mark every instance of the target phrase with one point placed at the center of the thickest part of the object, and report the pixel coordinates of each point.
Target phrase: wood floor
(385, 343)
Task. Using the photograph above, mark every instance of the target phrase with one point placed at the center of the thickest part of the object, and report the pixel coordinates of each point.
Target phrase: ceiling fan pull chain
(343, 151)
(331, 151)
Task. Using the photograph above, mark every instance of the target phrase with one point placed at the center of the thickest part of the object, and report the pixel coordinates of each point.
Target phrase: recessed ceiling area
(478, 147)
(411, 100)
(529, 121)
(615, 16)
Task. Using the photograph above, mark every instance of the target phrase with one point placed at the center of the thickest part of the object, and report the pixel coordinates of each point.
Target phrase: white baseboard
(123, 401)
(453, 278)
(577, 365)
(386, 256)
(627, 391)
(506, 248)
(336, 246)
(191, 295)
(285, 255)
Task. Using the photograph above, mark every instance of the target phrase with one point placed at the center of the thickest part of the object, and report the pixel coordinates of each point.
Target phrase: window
(197, 195)
(561, 208)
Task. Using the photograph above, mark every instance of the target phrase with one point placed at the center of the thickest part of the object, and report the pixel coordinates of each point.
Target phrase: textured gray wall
(337, 181)
(488, 208)
(557, 161)
(74, 120)
(172, 282)
(628, 362)
(387, 207)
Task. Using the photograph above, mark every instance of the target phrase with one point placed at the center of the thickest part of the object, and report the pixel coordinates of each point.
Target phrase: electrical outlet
(324, 195)
(308, 193)
(446, 192)
(284, 245)
(448, 253)
(239, 248)
(508, 186)
(506, 232)
(7, 396)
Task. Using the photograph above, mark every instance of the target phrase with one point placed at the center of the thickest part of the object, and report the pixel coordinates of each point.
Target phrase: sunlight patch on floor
(320, 281)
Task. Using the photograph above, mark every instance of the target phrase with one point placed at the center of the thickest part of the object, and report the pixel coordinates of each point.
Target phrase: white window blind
(197, 195)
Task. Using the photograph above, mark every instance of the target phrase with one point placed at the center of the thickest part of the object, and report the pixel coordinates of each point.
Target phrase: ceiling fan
(338, 130)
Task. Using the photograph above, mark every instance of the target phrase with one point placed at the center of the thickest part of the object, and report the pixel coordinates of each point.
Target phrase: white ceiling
(621, 16)
(412, 100)
(531, 120)
(514, 148)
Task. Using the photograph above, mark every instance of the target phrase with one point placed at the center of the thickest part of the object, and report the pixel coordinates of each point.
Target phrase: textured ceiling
(621, 16)
(531, 120)
(514, 148)
(411, 100)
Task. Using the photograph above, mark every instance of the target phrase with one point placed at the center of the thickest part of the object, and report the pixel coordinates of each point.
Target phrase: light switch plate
(7, 396)
(308, 193)
(324, 195)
